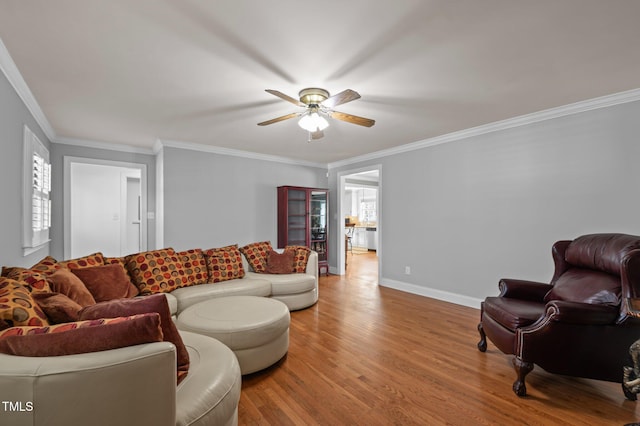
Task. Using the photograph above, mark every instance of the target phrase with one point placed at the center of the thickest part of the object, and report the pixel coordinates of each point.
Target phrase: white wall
(13, 116)
(211, 200)
(466, 213)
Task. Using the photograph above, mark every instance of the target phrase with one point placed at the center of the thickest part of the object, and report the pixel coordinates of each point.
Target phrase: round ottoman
(256, 329)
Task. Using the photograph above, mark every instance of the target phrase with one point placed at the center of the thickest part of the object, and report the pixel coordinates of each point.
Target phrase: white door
(132, 230)
(103, 210)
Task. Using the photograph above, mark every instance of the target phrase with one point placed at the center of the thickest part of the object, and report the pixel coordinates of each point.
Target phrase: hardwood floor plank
(370, 355)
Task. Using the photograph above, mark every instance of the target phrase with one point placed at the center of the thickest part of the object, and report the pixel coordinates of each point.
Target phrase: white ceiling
(133, 72)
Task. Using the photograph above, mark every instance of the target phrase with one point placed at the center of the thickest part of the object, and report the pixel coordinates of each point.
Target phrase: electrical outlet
(407, 270)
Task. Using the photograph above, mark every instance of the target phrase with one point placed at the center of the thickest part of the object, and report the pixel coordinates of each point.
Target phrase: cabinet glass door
(318, 219)
(297, 217)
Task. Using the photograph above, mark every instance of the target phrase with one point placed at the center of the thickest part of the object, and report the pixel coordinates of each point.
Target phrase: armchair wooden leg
(482, 344)
(522, 369)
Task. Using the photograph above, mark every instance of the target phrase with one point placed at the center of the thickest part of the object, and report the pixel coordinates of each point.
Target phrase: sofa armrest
(132, 385)
(523, 289)
(581, 313)
(312, 265)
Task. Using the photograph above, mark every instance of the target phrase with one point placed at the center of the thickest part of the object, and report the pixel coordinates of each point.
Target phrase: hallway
(362, 266)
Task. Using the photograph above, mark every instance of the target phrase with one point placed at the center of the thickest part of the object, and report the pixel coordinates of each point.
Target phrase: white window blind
(37, 188)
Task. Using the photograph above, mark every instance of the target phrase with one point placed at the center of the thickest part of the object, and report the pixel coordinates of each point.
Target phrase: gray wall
(59, 151)
(466, 213)
(13, 116)
(212, 200)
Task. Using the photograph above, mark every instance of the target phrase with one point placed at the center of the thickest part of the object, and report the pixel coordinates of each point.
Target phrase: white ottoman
(256, 329)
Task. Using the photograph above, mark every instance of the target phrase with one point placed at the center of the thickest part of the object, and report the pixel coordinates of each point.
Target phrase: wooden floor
(369, 355)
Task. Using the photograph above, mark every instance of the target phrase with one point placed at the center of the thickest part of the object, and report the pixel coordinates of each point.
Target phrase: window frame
(36, 187)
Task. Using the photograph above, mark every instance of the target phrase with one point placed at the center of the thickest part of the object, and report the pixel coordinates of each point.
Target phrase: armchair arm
(131, 385)
(581, 313)
(523, 289)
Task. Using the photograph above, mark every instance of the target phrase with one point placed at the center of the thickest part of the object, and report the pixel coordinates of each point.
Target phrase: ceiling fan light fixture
(313, 122)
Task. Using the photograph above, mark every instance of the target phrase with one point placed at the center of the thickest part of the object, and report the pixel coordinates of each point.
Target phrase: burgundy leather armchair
(579, 324)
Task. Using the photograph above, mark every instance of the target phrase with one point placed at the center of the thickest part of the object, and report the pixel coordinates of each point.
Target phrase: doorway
(104, 207)
(360, 218)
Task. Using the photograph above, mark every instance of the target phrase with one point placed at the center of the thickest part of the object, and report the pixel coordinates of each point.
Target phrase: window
(37, 187)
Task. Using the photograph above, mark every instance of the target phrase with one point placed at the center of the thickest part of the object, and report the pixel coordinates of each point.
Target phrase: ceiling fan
(317, 104)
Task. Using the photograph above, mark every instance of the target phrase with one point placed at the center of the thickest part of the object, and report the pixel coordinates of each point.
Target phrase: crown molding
(12, 73)
(104, 145)
(10, 70)
(523, 120)
(161, 143)
(157, 146)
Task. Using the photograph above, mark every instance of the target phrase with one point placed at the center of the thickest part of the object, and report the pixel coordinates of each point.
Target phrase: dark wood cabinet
(303, 220)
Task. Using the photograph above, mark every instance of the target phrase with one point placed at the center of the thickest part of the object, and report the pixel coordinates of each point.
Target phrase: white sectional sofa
(297, 291)
(137, 385)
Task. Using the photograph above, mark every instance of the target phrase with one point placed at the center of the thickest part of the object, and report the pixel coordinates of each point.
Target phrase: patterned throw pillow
(17, 307)
(256, 255)
(82, 336)
(224, 263)
(95, 259)
(195, 266)
(156, 271)
(301, 257)
(48, 265)
(35, 281)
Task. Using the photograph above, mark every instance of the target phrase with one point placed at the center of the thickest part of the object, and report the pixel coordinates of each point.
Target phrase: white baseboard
(446, 296)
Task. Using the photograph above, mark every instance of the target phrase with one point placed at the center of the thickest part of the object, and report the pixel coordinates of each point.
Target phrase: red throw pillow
(63, 281)
(82, 336)
(133, 291)
(153, 303)
(106, 282)
(280, 263)
(57, 307)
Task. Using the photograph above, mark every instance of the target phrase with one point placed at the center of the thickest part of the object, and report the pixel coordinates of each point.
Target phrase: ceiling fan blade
(285, 97)
(341, 98)
(275, 120)
(315, 135)
(360, 121)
